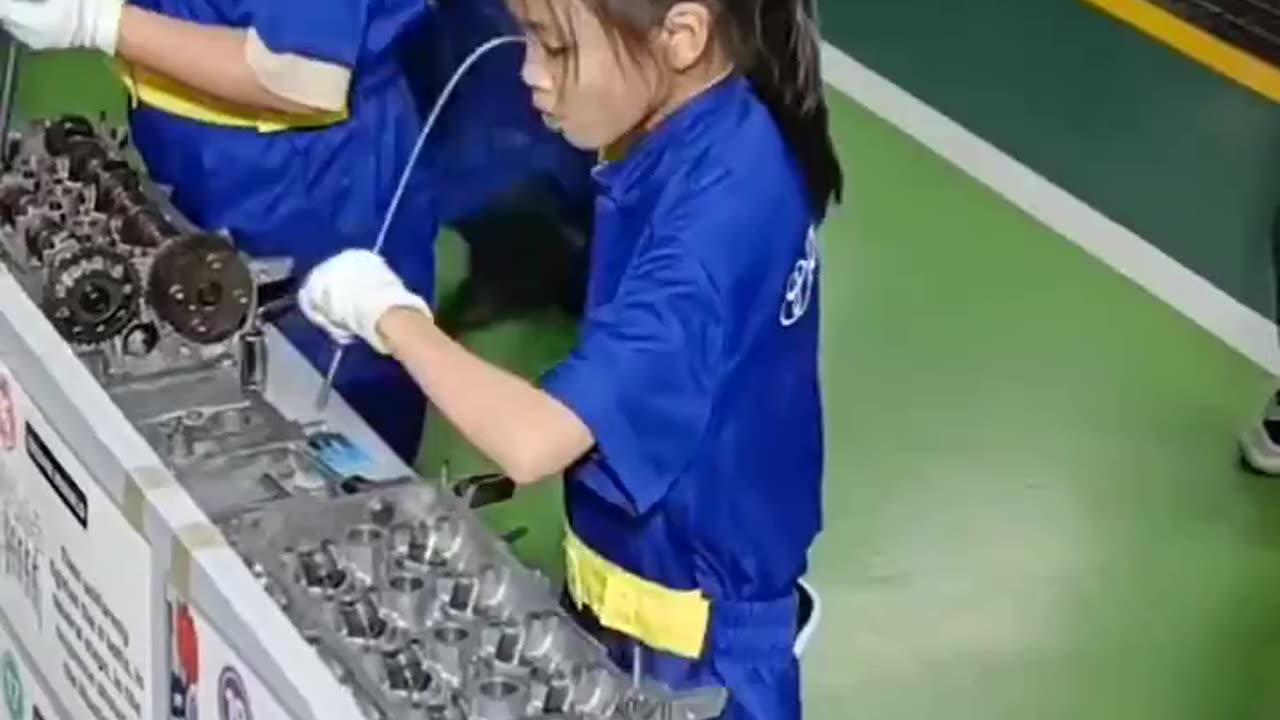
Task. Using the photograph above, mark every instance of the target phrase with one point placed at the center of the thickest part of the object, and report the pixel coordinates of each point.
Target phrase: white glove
(63, 24)
(348, 294)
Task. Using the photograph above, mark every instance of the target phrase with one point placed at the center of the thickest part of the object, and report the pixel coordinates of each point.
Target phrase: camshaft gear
(92, 295)
(201, 286)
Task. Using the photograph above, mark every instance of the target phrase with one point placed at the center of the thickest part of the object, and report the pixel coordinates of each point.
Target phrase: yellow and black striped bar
(1237, 38)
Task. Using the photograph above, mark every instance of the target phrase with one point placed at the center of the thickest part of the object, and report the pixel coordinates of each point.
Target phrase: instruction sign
(75, 577)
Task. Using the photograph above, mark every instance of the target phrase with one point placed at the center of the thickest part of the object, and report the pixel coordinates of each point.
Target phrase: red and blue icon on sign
(231, 695)
(186, 666)
(8, 415)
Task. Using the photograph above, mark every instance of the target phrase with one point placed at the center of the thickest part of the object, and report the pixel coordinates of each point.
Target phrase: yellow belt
(163, 94)
(673, 621)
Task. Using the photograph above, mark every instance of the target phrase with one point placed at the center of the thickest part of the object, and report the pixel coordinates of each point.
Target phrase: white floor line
(1239, 326)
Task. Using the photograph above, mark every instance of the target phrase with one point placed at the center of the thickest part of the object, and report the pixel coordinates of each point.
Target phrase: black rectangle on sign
(56, 475)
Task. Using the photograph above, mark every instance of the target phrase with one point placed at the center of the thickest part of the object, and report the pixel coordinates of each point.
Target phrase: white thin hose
(431, 122)
(322, 400)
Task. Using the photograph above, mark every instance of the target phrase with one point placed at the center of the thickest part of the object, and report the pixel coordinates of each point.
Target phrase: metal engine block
(114, 267)
(163, 314)
(418, 609)
(425, 615)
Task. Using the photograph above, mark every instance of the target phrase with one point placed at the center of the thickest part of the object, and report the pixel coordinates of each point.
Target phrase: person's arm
(288, 61)
(213, 60)
(527, 432)
(638, 388)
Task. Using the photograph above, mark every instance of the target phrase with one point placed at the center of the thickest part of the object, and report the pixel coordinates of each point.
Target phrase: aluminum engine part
(427, 611)
(91, 240)
(499, 697)
(409, 597)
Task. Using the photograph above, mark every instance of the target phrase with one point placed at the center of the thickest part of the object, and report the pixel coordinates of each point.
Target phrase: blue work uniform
(309, 192)
(697, 373)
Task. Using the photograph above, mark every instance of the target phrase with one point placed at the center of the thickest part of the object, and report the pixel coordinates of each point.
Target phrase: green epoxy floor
(1033, 506)
(1153, 139)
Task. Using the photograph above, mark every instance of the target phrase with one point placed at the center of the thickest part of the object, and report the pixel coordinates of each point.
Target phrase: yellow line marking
(1252, 72)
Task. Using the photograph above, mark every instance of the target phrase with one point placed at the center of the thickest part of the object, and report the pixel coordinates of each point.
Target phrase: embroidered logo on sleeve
(799, 294)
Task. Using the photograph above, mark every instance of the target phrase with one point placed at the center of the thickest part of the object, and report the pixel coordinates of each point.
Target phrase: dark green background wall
(1156, 142)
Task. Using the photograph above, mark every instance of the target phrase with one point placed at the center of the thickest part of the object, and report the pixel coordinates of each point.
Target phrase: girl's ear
(685, 35)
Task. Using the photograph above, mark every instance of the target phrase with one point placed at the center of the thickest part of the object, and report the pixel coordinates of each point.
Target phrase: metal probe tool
(322, 400)
(637, 665)
(13, 50)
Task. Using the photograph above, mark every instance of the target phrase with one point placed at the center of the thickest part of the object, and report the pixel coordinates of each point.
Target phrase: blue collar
(685, 130)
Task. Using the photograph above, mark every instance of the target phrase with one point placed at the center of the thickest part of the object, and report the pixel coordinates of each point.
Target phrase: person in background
(285, 122)
(516, 192)
(1260, 445)
(688, 419)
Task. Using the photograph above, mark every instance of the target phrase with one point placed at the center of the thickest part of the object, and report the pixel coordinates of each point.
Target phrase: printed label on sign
(210, 680)
(22, 693)
(76, 575)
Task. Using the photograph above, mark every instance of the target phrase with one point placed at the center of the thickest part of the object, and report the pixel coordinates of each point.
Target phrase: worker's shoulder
(737, 203)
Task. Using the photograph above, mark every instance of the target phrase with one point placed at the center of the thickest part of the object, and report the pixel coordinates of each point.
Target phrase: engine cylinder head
(409, 597)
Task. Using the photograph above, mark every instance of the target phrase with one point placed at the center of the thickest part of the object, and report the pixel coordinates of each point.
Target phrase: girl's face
(584, 81)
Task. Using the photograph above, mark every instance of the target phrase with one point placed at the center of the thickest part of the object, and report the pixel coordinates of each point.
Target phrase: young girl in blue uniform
(688, 419)
(286, 122)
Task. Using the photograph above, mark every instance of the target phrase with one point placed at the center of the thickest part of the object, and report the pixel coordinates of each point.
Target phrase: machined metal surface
(160, 312)
(412, 603)
(428, 613)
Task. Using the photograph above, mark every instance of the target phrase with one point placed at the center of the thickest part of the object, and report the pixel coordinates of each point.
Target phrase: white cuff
(315, 83)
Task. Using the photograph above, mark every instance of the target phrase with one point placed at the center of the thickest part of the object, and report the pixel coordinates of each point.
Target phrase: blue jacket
(697, 373)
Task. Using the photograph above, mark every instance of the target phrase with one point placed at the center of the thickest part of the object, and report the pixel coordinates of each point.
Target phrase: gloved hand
(347, 294)
(63, 24)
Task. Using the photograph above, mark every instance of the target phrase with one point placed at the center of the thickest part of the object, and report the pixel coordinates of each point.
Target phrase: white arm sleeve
(314, 83)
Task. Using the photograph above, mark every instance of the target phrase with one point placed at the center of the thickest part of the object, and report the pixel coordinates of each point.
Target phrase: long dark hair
(784, 65)
(775, 44)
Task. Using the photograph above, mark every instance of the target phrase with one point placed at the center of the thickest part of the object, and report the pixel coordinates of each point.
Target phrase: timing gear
(201, 287)
(92, 294)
